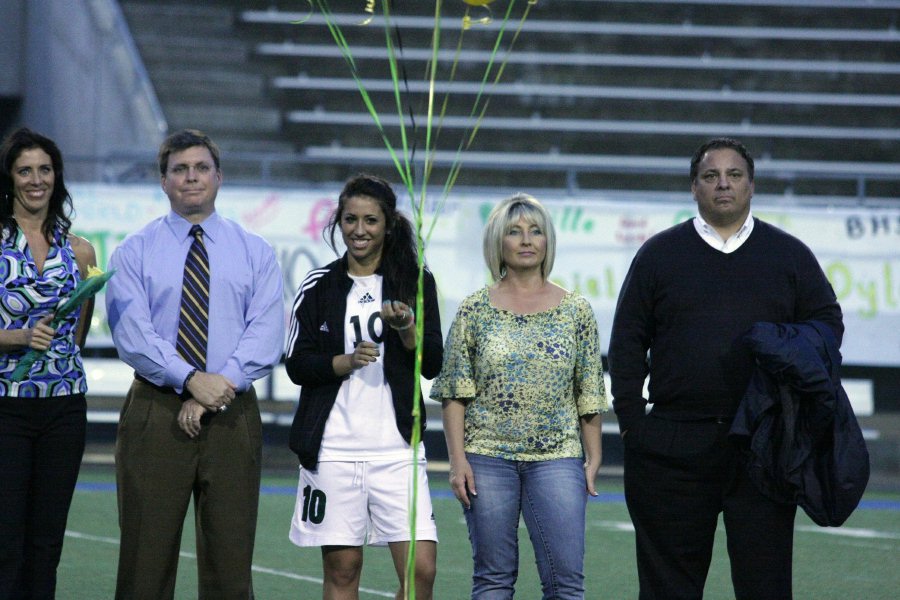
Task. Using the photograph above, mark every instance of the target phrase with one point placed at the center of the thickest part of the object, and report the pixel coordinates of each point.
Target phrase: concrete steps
(201, 68)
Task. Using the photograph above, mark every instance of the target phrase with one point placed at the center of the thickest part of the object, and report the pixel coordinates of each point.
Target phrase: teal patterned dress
(25, 297)
(525, 379)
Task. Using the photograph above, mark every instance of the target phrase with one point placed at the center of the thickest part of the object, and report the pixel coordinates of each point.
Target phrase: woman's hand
(591, 430)
(397, 315)
(400, 318)
(40, 336)
(462, 481)
(591, 469)
(364, 354)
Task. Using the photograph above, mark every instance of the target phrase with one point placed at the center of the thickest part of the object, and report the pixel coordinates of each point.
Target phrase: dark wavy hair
(60, 210)
(715, 144)
(399, 259)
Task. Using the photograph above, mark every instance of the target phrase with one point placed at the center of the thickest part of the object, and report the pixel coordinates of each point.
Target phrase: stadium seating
(597, 94)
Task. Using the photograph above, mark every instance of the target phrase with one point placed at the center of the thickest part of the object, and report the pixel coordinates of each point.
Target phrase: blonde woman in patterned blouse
(43, 417)
(522, 392)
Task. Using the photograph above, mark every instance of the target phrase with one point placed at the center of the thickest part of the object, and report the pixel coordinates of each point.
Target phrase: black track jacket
(317, 336)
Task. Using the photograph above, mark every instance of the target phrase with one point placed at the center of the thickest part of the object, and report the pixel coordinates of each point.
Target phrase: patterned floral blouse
(25, 297)
(526, 379)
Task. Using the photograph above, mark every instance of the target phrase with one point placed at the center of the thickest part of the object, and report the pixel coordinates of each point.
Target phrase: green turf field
(858, 561)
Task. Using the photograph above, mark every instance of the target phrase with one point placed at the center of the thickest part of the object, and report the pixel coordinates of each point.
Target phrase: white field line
(848, 532)
(852, 532)
(256, 568)
(620, 526)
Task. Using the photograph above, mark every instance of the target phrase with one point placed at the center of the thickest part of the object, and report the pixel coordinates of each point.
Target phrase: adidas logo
(366, 298)
(324, 327)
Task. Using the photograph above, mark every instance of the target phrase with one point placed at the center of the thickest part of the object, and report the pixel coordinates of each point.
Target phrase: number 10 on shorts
(313, 505)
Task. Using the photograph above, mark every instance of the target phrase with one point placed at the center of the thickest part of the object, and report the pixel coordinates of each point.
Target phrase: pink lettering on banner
(319, 216)
(632, 230)
(255, 219)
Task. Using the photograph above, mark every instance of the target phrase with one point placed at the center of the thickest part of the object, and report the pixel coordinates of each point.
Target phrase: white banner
(859, 249)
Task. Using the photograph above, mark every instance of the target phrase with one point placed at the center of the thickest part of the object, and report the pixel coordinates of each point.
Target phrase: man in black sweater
(690, 295)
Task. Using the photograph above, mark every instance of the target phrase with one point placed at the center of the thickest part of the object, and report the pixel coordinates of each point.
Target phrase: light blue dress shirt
(246, 311)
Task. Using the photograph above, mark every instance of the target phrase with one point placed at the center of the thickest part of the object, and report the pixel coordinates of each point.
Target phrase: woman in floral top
(522, 390)
(43, 417)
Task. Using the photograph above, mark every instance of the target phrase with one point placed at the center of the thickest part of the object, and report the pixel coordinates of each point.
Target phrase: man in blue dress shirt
(188, 430)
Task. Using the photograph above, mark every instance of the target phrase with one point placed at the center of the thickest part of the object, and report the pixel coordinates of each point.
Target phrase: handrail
(583, 59)
(537, 123)
(145, 97)
(726, 95)
(780, 168)
(860, 4)
(566, 27)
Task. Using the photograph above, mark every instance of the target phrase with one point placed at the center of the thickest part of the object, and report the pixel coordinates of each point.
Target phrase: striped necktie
(193, 322)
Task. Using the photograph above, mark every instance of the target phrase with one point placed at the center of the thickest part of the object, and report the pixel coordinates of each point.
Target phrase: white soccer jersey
(362, 424)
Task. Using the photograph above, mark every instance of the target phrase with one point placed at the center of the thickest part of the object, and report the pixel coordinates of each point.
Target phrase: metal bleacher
(320, 116)
(597, 94)
(294, 50)
(810, 85)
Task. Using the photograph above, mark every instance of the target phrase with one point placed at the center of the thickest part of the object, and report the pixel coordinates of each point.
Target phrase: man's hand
(189, 417)
(211, 390)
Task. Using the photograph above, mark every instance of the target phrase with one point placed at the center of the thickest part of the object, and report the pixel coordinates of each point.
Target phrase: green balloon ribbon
(403, 158)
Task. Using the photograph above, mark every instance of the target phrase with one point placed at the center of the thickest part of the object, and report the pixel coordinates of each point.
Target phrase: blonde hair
(506, 214)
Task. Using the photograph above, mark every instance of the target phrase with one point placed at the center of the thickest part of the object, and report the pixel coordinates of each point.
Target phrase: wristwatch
(186, 379)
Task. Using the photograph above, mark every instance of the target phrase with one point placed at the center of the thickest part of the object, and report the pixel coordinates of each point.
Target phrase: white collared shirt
(712, 237)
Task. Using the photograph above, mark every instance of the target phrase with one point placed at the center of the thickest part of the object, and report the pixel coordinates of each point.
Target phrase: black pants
(679, 475)
(41, 445)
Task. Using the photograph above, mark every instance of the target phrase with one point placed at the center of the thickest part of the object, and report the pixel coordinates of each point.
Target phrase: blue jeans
(551, 497)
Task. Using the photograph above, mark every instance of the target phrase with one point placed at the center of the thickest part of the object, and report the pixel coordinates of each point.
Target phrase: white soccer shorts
(358, 503)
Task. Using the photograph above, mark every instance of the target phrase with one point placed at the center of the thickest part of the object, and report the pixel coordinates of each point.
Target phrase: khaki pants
(159, 468)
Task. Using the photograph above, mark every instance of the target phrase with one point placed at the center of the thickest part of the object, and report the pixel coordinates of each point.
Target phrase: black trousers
(41, 445)
(679, 476)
